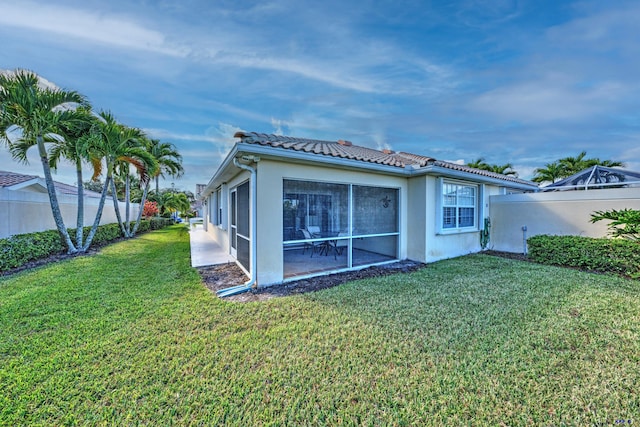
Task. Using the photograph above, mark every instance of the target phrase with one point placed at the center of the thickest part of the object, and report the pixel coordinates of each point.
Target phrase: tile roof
(8, 179)
(346, 150)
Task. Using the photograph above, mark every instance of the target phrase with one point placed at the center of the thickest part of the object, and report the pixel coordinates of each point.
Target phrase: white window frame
(440, 205)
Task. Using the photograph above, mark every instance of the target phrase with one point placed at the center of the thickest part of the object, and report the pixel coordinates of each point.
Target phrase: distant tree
(506, 169)
(551, 172)
(567, 166)
(479, 163)
(168, 158)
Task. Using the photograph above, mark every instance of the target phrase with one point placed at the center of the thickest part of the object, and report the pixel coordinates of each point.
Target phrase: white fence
(27, 211)
(556, 213)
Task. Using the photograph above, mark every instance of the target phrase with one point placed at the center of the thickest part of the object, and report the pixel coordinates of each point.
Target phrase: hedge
(15, 251)
(602, 255)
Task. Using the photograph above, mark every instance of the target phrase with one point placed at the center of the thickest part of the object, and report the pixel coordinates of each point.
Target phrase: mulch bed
(226, 275)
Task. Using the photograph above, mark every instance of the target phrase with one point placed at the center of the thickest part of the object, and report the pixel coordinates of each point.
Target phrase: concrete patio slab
(204, 250)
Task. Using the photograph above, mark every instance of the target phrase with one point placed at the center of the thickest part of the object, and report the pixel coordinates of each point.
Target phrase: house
(287, 208)
(25, 205)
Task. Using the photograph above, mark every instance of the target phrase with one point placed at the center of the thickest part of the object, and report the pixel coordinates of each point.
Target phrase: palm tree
(168, 158)
(118, 147)
(567, 166)
(550, 173)
(176, 202)
(501, 169)
(506, 169)
(73, 149)
(573, 165)
(30, 114)
(479, 163)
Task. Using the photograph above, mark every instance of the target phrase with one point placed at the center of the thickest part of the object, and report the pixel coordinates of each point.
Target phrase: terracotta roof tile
(346, 150)
(7, 179)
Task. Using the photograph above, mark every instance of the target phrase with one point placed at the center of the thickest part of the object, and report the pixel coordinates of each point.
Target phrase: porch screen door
(234, 223)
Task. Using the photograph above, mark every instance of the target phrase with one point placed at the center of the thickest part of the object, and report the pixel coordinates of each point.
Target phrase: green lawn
(130, 336)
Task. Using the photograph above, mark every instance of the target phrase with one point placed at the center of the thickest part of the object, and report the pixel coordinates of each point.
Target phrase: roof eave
(452, 173)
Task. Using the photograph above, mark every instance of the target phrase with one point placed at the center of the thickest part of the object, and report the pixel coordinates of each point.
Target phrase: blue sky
(525, 82)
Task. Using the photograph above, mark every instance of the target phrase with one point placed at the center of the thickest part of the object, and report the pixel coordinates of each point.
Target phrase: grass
(130, 336)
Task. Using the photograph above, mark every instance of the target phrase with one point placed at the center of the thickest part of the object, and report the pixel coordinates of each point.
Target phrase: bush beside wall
(16, 251)
(603, 255)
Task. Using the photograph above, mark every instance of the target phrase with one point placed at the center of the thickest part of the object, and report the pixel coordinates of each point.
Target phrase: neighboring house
(288, 208)
(25, 206)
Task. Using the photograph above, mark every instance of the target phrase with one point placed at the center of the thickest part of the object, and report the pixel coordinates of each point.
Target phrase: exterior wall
(417, 218)
(556, 213)
(439, 245)
(220, 232)
(29, 211)
(269, 220)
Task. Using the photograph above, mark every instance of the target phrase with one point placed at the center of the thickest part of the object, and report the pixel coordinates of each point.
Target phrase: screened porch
(333, 227)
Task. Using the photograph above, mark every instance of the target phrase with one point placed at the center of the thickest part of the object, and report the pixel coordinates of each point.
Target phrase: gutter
(233, 290)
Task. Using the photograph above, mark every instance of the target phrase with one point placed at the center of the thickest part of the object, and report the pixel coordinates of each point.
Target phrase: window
(213, 208)
(459, 204)
(219, 206)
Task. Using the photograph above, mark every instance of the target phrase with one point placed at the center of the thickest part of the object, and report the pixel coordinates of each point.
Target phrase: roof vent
(345, 143)
(387, 151)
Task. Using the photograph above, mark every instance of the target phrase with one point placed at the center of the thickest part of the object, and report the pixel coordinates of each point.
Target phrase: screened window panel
(375, 210)
(318, 207)
(371, 250)
(243, 252)
(243, 210)
(233, 208)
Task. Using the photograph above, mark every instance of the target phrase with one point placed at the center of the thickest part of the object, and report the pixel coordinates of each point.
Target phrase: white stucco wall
(28, 211)
(556, 213)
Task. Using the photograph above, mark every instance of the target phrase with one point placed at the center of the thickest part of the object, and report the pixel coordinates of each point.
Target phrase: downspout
(233, 290)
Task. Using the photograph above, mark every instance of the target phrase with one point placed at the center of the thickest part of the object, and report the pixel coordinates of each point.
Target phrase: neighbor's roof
(596, 177)
(9, 179)
(346, 150)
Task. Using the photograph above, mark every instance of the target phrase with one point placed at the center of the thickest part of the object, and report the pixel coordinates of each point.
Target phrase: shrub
(20, 249)
(16, 251)
(150, 209)
(603, 255)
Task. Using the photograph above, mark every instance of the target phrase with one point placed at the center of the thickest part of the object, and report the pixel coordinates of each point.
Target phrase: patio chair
(314, 230)
(311, 245)
(339, 245)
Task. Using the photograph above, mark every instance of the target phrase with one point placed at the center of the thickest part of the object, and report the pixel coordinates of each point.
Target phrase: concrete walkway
(204, 250)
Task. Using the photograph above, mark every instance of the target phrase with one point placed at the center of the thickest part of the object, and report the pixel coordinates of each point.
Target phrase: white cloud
(115, 30)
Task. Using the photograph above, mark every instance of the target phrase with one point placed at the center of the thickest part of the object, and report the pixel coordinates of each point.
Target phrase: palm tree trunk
(127, 195)
(142, 202)
(80, 219)
(116, 207)
(96, 221)
(53, 199)
(157, 185)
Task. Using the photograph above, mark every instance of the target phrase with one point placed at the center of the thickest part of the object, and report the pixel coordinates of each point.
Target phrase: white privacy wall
(28, 211)
(555, 213)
